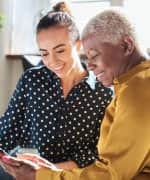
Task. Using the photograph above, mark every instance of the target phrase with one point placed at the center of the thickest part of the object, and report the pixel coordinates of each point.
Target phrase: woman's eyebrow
(42, 49)
(60, 45)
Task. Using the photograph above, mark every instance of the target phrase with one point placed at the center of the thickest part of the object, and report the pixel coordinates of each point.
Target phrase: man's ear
(128, 45)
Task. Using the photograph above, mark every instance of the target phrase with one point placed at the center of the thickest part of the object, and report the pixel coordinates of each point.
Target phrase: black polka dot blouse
(61, 129)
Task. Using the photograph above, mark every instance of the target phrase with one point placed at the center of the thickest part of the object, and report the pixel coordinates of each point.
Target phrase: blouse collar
(124, 77)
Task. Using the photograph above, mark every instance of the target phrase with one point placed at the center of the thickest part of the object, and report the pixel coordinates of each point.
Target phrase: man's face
(104, 59)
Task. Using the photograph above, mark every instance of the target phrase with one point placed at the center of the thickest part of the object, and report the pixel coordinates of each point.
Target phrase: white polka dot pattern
(61, 129)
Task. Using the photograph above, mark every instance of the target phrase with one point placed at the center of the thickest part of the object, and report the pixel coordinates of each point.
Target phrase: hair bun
(62, 7)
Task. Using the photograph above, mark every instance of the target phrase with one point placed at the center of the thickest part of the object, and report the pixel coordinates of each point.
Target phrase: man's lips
(100, 75)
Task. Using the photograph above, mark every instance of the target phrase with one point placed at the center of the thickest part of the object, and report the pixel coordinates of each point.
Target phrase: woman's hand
(25, 168)
(38, 161)
(43, 162)
(19, 169)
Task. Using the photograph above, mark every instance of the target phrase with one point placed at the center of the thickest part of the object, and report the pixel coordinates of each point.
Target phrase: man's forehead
(90, 36)
(91, 42)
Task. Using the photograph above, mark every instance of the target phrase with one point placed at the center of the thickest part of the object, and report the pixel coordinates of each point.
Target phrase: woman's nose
(51, 59)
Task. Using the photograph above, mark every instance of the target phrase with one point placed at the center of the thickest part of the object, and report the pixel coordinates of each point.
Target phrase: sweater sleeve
(11, 120)
(125, 131)
(91, 172)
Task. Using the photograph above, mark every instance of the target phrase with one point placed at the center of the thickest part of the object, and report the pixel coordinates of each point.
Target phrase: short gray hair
(111, 25)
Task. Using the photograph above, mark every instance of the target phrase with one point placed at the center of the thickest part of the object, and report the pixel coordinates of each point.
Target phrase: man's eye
(94, 57)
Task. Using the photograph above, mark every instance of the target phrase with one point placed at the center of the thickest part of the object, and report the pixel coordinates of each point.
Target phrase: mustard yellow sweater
(124, 144)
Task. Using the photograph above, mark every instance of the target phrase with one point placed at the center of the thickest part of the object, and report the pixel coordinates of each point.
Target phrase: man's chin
(106, 83)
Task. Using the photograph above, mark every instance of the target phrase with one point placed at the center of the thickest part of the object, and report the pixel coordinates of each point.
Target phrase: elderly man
(114, 56)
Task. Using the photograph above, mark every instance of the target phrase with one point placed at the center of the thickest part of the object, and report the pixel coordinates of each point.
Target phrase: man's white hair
(110, 25)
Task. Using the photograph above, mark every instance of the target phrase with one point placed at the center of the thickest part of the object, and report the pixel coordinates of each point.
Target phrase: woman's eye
(44, 54)
(60, 51)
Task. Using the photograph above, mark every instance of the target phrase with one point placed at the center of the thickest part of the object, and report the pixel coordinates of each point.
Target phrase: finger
(2, 164)
(22, 171)
(10, 169)
(31, 157)
(34, 158)
(44, 165)
(52, 167)
(11, 161)
(30, 164)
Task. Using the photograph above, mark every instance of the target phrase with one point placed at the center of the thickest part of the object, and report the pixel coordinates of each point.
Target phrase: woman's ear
(78, 45)
(128, 45)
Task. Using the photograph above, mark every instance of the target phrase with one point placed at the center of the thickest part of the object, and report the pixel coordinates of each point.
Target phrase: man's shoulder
(136, 90)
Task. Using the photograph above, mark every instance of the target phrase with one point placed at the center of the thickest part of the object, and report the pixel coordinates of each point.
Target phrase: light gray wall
(10, 70)
(117, 2)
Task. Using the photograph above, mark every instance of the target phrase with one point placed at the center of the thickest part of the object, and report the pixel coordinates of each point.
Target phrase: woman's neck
(75, 76)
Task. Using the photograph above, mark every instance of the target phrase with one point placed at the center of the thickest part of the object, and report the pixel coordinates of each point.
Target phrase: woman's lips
(58, 68)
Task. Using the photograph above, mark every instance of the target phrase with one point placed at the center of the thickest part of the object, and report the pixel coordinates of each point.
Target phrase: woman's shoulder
(38, 72)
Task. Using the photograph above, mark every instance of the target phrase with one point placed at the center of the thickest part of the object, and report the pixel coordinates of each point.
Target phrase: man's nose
(91, 66)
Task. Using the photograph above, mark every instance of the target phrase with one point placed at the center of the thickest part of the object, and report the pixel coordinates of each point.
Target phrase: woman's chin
(61, 75)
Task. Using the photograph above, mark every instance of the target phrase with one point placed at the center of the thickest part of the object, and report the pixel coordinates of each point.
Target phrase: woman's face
(57, 50)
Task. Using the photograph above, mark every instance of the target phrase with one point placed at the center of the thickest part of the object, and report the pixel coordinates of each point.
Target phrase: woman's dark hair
(63, 7)
(59, 17)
